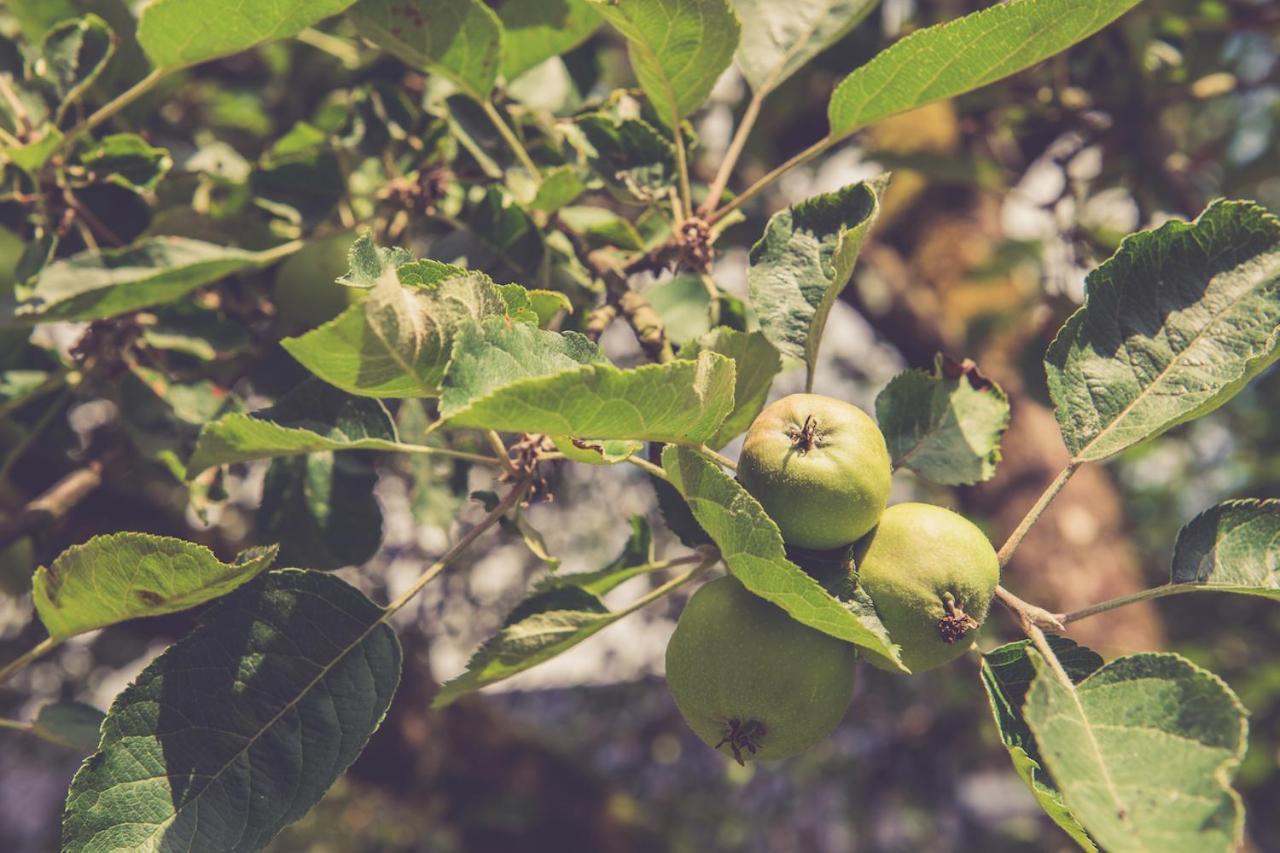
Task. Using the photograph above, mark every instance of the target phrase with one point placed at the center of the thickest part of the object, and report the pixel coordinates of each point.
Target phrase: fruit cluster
(752, 681)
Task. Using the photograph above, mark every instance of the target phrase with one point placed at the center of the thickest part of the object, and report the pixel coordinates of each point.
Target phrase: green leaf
(945, 425)
(535, 32)
(1006, 674)
(751, 546)
(559, 187)
(1232, 547)
(122, 576)
(32, 156)
(1143, 751)
(312, 418)
(321, 509)
(560, 612)
(509, 243)
(778, 39)
(75, 52)
(678, 48)
(71, 724)
(178, 33)
(756, 363)
(597, 452)
(516, 378)
(1173, 326)
(128, 160)
(804, 260)
(367, 262)
(958, 56)
(630, 154)
(239, 728)
(396, 343)
(94, 285)
(461, 40)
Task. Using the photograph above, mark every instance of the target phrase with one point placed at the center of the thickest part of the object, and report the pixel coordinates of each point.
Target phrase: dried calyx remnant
(806, 437)
(742, 736)
(956, 623)
(693, 242)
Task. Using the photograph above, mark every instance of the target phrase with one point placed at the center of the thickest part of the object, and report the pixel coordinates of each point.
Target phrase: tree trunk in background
(923, 300)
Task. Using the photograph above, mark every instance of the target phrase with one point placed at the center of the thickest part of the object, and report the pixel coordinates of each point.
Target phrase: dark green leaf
(1232, 547)
(71, 724)
(537, 31)
(127, 159)
(240, 727)
(75, 52)
(321, 509)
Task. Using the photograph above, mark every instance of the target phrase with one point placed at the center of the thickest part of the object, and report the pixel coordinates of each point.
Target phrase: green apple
(751, 681)
(931, 574)
(819, 467)
(305, 294)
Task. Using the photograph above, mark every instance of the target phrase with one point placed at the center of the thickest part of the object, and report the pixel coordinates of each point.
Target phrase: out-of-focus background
(1001, 202)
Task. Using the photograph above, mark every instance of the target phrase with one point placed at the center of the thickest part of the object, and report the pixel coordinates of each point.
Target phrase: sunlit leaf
(751, 546)
(756, 362)
(458, 39)
(122, 576)
(517, 378)
(957, 56)
(803, 261)
(1173, 326)
(535, 32)
(678, 48)
(1007, 672)
(945, 425)
(778, 39)
(178, 33)
(1143, 751)
(1232, 547)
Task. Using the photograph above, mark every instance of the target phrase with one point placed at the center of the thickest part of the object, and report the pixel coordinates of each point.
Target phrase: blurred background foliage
(1001, 201)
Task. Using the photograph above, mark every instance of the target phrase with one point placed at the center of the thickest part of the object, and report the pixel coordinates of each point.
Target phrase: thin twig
(512, 498)
(685, 209)
(1038, 615)
(513, 141)
(1042, 503)
(54, 503)
(733, 152)
(1132, 598)
(649, 468)
(27, 657)
(115, 105)
(759, 186)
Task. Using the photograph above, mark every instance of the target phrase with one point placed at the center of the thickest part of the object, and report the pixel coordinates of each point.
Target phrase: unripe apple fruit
(931, 574)
(819, 467)
(751, 681)
(305, 293)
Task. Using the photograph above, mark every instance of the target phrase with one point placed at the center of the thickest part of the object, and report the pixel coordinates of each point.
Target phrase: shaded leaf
(630, 154)
(945, 425)
(93, 285)
(321, 509)
(1173, 326)
(560, 612)
(1006, 674)
(122, 576)
(597, 451)
(804, 260)
(458, 39)
(128, 160)
(239, 728)
(751, 546)
(951, 58)
(74, 725)
(559, 187)
(778, 39)
(1232, 547)
(178, 33)
(516, 378)
(756, 362)
(535, 32)
(312, 418)
(678, 48)
(1143, 751)
(75, 52)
